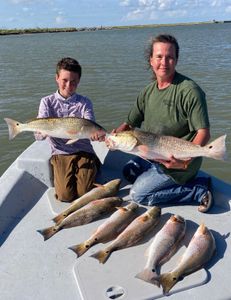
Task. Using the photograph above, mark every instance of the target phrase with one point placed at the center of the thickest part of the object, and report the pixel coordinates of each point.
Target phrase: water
(114, 71)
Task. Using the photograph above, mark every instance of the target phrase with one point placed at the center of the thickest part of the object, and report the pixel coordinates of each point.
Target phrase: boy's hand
(98, 136)
(39, 136)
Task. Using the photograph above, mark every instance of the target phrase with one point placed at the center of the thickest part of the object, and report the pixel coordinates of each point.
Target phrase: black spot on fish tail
(174, 278)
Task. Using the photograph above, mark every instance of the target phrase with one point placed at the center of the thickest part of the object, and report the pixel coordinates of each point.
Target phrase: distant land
(75, 29)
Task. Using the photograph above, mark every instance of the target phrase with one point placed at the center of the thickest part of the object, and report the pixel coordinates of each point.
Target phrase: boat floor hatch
(116, 278)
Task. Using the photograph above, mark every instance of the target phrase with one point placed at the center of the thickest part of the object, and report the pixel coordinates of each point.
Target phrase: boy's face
(67, 82)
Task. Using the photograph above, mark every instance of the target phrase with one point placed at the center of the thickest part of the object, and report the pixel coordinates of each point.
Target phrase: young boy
(75, 165)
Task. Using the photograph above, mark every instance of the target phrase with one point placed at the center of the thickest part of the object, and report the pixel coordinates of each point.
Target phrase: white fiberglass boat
(33, 269)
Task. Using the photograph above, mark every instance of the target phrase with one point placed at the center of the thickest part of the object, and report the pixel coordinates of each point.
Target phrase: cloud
(228, 9)
(25, 9)
(124, 3)
(60, 20)
(31, 1)
(135, 14)
(176, 9)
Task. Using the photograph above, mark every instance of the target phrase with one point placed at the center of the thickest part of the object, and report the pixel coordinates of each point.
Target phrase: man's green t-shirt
(178, 110)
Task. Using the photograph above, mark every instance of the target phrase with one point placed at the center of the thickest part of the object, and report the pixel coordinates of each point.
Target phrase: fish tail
(217, 148)
(59, 218)
(150, 276)
(167, 281)
(101, 255)
(80, 249)
(48, 232)
(13, 127)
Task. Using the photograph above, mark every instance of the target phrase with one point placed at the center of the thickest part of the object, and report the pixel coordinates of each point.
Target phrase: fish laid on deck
(199, 251)
(135, 232)
(108, 189)
(71, 128)
(110, 229)
(154, 146)
(84, 215)
(162, 248)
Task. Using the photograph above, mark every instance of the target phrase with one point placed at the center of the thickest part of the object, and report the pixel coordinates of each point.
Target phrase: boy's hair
(69, 64)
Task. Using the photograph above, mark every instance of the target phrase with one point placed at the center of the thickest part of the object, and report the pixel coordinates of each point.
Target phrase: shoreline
(75, 29)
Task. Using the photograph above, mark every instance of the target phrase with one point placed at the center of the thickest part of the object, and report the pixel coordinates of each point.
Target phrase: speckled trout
(71, 128)
(199, 251)
(153, 146)
(84, 215)
(110, 229)
(108, 189)
(164, 245)
(135, 232)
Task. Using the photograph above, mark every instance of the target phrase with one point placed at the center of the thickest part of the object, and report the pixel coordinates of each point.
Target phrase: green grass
(74, 29)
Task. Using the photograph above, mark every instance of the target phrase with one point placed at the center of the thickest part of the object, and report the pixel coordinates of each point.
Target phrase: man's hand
(174, 163)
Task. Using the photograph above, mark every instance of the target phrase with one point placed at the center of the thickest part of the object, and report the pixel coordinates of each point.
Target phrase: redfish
(153, 146)
(199, 251)
(71, 128)
(110, 229)
(162, 248)
(108, 189)
(84, 215)
(135, 232)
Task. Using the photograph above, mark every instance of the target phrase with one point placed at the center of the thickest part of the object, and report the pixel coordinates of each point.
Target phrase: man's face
(67, 82)
(163, 60)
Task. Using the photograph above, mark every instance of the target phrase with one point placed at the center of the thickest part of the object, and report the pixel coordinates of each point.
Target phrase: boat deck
(31, 268)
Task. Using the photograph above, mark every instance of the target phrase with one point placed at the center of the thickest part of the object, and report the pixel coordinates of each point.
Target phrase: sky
(21, 14)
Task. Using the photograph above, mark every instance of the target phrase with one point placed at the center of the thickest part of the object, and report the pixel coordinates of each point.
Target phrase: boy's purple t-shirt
(55, 105)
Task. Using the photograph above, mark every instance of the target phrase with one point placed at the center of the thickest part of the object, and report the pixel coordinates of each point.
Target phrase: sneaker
(206, 202)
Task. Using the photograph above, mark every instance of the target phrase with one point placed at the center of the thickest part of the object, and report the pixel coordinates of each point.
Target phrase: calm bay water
(114, 71)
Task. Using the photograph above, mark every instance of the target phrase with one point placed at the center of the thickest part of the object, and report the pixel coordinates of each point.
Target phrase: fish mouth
(110, 143)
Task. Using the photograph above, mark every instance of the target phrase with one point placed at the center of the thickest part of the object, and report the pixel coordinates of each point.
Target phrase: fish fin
(144, 218)
(59, 218)
(101, 255)
(149, 276)
(203, 228)
(147, 251)
(48, 232)
(98, 184)
(69, 142)
(13, 127)
(167, 281)
(143, 150)
(80, 249)
(122, 209)
(217, 148)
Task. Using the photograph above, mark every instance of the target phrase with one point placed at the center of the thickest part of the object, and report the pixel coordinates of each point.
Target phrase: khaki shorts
(74, 175)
